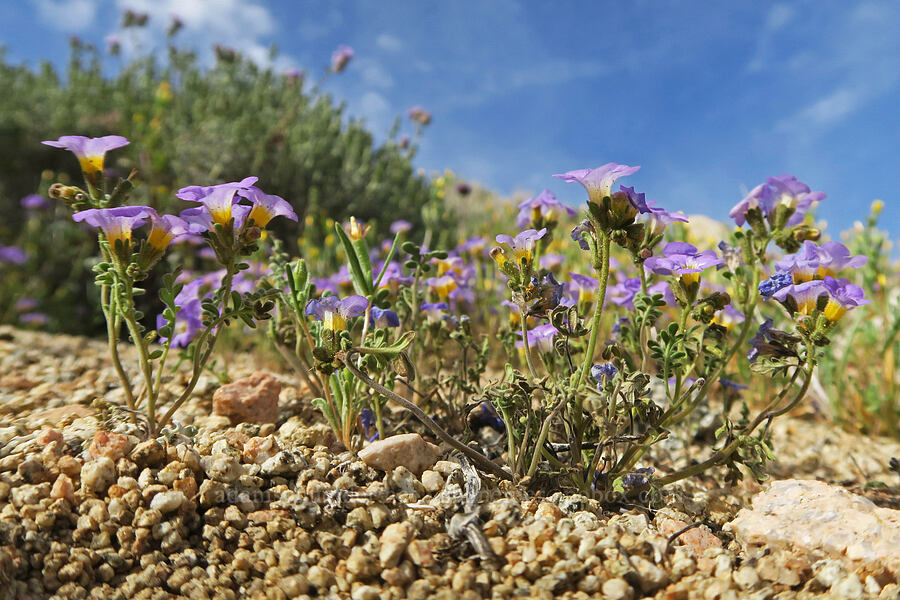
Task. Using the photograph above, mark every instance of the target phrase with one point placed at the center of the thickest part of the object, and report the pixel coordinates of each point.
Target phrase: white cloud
(375, 110)
(852, 71)
(245, 25)
(778, 17)
(374, 74)
(67, 15)
(832, 107)
(374, 103)
(388, 42)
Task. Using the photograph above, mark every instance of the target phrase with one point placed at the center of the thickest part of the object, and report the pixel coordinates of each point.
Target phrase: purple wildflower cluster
(684, 261)
(783, 191)
(803, 278)
(540, 209)
(221, 203)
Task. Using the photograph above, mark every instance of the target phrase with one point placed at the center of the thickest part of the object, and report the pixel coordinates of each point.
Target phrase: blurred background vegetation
(187, 125)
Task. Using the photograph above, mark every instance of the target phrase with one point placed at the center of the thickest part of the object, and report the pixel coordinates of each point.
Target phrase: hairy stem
(479, 459)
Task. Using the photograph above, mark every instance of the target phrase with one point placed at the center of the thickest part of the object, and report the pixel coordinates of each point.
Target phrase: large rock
(408, 450)
(252, 399)
(819, 520)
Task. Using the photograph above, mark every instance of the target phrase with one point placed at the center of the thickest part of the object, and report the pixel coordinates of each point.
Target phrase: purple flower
(523, 244)
(12, 255)
(598, 182)
(168, 228)
(683, 260)
(419, 115)
(26, 304)
(544, 206)
(485, 415)
(34, 318)
(188, 322)
(782, 190)
(367, 422)
(842, 296)
(541, 337)
(817, 262)
(637, 201)
(400, 225)
(473, 247)
(340, 58)
(442, 286)
(434, 311)
(623, 292)
(335, 312)
(665, 289)
(89, 151)
(578, 234)
(383, 317)
(197, 193)
(393, 277)
(732, 385)
(34, 202)
(601, 371)
(760, 197)
(267, 206)
(515, 313)
(585, 286)
(801, 297)
(789, 191)
(728, 317)
(661, 217)
(777, 281)
(218, 205)
(116, 223)
(638, 477)
(552, 262)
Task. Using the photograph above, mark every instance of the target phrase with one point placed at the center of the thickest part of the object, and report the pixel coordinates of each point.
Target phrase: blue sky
(710, 98)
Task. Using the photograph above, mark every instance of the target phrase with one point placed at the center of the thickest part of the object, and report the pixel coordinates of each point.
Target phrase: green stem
(200, 358)
(479, 459)
(112, 331)
(542, 436)
(525, 344)
(720, 456)
(605, 241)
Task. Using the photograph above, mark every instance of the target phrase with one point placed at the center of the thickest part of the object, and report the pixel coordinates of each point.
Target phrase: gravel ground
(281, 511)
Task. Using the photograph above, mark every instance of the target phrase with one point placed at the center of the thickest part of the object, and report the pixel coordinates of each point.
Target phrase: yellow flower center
(221, 214)
(260, 215)
(834, 311)
(91, 164)
(334, 321)
(159, 238)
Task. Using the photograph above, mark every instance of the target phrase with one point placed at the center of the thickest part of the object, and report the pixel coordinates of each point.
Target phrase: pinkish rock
(409, 450)
(259, 449)
(110, 445)
(48, 436)
(697, 539)
(393, 542)
(419, 552)
(63, 488)
(816, 520)
(253, 399)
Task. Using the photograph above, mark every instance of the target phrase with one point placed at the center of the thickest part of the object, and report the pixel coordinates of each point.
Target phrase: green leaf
(357, 276)
(156, 354)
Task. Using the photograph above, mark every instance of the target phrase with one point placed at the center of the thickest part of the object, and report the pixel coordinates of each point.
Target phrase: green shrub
(188, 125)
